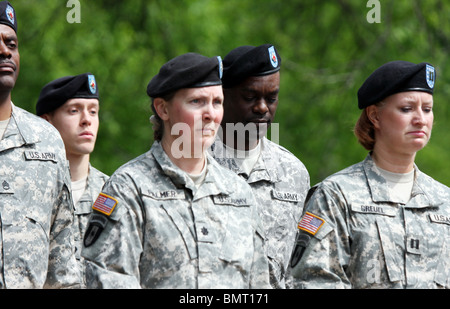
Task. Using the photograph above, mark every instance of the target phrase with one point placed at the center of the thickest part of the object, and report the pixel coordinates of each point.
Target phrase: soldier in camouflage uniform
(381, 223)
(278, 179)
(177, 220)
(37, 248)
(71, 104)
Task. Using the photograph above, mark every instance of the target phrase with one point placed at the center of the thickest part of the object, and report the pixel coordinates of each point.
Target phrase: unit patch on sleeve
(105, 204)
(310, 223)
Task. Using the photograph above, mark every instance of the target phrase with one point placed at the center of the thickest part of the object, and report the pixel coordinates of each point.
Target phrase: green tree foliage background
(327, 47)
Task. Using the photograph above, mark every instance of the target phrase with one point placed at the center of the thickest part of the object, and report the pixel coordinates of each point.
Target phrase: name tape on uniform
(286, 196)
(372, 209)
(167, 195)
(226, 200)
(40, 156)
(440, 218)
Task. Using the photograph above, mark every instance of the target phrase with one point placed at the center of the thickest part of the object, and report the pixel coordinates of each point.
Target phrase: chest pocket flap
(184, 231)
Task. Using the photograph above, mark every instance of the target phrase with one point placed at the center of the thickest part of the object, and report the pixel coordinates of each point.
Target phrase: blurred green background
(327, 47)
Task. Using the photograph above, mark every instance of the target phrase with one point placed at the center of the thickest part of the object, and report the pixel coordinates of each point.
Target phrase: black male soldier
(37, 248)
(279, 180)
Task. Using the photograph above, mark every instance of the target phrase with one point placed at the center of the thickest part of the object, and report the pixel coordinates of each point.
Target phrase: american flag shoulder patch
(105, 204)
(310, 223)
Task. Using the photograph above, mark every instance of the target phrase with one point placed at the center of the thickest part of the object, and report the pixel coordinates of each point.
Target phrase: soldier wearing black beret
(173, 217)
(36, 208)
(71, 104)
(389, 79)
(189, 70)
(10, 61)
(279, 180)
(380, 223)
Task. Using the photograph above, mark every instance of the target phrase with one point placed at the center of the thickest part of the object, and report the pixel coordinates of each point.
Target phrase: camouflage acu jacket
(163, 232)
(96, 180)
(35, 207)
(280, 183)
(354, 235)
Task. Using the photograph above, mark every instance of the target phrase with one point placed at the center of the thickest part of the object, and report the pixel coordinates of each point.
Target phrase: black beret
(57, 92)
(189, 70)
(8, 15)
(394, 77)
(245, 61)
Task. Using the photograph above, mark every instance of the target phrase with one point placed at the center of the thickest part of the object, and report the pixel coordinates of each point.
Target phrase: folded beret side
(57, 92)
(8, 15)
(394, 77)
(189, 70)
(245, 61)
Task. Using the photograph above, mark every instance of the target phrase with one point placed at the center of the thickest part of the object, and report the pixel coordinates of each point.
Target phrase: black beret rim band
(199, 85)
(415, 89)
(84, 97)
(228, 84)
(8, 24)
(399, 91)
(205, 84)
(267, 72)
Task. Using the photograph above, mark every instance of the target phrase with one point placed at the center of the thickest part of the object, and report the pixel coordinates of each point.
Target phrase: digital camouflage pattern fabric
(280, 183)
(166, 233)
(95, 182)
(35, 207)
(368, 239)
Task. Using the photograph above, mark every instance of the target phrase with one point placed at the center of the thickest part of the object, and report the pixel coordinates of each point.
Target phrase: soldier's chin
(7, 82)
(208, 141)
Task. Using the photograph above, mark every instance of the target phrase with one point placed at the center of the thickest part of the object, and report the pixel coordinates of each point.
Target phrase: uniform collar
(379, 187)
(213, 184)
(19, 132)
(265, 167)
(91, 190)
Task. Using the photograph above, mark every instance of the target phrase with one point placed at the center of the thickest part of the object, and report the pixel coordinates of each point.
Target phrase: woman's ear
(372, 113)
(161, 108)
